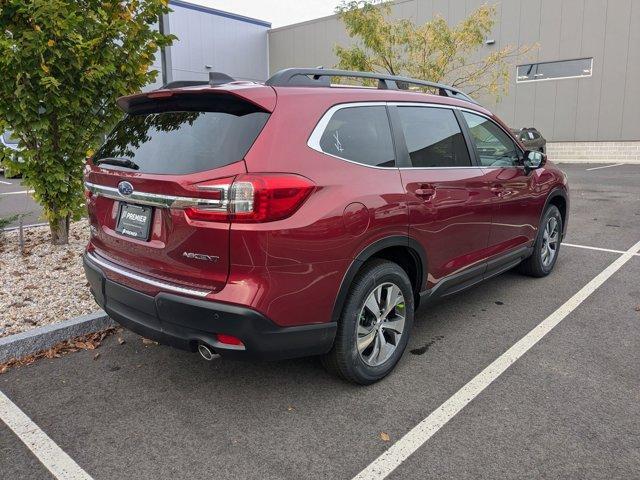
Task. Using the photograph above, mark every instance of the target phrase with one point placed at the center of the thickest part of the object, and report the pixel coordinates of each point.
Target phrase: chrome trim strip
(316, 134)
(144, 279)
(444, 168)
(159, 200)
(422, 104)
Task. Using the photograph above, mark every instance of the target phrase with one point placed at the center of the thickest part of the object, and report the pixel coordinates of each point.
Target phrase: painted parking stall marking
(17, 193)
(605, 166)
(386, 463)
(61, 465)
(587, 247)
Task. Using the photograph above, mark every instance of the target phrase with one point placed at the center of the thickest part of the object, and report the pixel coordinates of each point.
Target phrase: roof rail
(215, 79)
(320, 77)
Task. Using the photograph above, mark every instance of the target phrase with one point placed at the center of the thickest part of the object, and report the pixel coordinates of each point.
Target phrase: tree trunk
(60, 230)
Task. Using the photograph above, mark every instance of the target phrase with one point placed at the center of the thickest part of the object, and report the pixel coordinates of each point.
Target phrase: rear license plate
(134, 221)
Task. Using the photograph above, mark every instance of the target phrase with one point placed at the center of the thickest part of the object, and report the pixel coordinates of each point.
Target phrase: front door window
(495, 148)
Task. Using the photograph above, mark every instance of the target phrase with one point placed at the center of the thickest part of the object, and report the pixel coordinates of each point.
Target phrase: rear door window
(433, 137)
(361, 135)
(182, 142)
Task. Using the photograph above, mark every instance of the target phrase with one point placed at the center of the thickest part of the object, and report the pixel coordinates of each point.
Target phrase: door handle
(425, 191)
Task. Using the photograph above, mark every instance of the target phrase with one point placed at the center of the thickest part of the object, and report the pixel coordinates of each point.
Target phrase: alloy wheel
(380, 324)
(550, 239)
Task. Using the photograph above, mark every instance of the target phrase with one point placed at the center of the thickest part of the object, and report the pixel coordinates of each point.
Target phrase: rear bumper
(184, 322)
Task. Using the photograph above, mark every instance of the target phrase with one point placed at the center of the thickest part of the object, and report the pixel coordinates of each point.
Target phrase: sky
(278, 12)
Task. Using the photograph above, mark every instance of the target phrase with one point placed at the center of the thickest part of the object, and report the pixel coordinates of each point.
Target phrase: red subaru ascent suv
(297, 217)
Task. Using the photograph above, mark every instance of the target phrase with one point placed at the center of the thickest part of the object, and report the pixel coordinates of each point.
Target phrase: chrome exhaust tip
(206, 352)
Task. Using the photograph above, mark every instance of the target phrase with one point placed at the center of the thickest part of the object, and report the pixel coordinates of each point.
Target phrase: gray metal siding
(603, 107)
(614, 60)
(234, 46)
(631, 107)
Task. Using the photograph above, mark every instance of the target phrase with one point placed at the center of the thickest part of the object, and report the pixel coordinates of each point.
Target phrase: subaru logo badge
(125, 189)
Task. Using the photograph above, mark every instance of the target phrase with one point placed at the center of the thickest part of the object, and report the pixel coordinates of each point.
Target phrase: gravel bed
(44, 285)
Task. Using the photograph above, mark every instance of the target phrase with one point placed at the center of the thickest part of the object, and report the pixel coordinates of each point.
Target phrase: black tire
(344, 358)
(534, 266)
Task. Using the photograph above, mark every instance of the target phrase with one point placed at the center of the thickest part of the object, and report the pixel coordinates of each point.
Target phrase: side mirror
(534, 159)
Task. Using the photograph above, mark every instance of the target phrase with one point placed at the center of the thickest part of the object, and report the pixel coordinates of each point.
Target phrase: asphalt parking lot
(16, 200)
(569, 407)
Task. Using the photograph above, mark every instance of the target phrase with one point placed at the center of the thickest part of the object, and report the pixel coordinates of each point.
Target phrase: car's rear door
(449, 204)
(166, 156)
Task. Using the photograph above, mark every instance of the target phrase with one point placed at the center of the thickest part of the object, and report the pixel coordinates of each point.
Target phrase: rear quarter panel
(302, 260)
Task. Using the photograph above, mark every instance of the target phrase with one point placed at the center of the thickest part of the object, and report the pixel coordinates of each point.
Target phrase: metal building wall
(603, 107)
(229, 43)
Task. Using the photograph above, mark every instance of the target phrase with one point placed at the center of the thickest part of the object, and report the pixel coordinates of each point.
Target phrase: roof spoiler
(238, 97)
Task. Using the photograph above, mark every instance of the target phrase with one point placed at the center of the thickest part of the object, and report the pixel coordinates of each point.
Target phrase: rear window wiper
(120, 162)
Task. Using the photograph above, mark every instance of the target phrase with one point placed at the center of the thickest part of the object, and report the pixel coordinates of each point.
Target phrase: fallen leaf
(637, 308)
(147, 341)
(85, 342)
(95, 357)
(290, 408)
(385, 436)
(121, 341)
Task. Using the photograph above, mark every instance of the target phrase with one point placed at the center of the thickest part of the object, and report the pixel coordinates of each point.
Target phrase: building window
(533, 72)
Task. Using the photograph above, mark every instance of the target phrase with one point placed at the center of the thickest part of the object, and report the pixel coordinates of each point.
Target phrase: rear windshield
(181, 142)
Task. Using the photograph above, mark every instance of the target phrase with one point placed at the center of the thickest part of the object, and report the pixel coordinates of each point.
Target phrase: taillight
(254, 198)
(265, 198)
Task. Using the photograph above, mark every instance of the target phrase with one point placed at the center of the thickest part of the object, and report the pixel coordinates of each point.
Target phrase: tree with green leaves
(63, 63)
(432, 51)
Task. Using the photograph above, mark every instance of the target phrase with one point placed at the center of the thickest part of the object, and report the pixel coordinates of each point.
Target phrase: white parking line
(5, 183)
(606, 166)
(51, 455)
(17, 193)
(595, 248)
(418, 435)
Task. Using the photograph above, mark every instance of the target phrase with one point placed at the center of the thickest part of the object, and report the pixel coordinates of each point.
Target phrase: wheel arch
(404, 250)
(560, 199)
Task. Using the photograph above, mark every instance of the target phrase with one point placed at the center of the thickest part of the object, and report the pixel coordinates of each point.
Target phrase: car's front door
(449, 207)
(513, 189)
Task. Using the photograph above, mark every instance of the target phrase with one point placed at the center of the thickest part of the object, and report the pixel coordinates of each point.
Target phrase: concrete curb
(32, 341)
